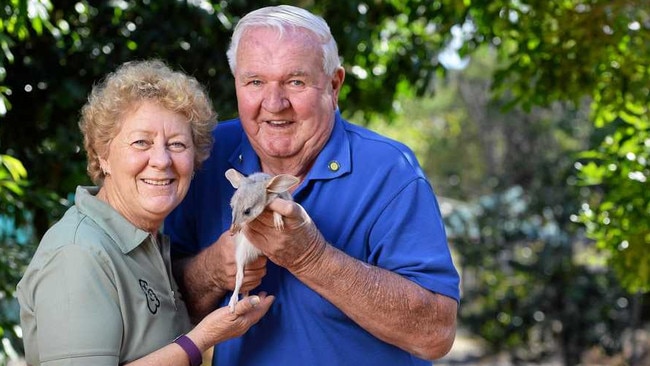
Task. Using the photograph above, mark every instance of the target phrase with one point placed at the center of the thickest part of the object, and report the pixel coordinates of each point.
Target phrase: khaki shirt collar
(126, 235)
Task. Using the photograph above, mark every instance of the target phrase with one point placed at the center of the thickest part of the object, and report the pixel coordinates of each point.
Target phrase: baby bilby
(251, 196)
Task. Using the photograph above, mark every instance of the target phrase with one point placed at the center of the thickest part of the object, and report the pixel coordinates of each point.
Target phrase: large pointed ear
(234, 177)
(281, 183)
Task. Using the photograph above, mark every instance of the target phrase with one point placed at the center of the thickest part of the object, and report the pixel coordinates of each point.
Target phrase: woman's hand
(221, 324)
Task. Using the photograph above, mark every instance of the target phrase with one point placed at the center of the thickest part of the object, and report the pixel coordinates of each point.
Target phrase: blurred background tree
(541, 139)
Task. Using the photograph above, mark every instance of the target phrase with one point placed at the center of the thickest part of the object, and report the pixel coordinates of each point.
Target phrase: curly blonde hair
(123, 90)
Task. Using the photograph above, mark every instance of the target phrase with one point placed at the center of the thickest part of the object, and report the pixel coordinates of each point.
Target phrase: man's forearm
(387, 305)
(200, 292)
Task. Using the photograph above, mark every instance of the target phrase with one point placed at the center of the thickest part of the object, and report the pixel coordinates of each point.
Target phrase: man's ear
(337, 83)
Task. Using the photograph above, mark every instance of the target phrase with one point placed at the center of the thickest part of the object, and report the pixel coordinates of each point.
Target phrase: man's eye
(256, 82)
(296, 83)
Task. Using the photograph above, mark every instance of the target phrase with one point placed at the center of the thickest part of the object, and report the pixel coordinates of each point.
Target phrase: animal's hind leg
(239, 278)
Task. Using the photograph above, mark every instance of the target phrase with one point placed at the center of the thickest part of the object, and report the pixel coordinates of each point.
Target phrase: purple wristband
(193, 352)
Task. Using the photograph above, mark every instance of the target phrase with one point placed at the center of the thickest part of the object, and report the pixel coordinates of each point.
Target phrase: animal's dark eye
(247, 211)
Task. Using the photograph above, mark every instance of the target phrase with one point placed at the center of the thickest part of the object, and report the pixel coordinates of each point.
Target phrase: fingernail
(254, 300)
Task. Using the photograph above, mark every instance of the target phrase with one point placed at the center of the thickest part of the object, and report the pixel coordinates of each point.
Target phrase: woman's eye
(177, 146)
(140, 144)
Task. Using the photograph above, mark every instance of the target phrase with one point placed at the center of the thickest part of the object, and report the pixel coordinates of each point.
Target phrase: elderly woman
(99, 290)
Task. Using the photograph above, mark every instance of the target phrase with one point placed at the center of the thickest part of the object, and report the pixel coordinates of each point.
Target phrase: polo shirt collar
(126, 235)
(335, 159)
(243, 158)
(332, 162)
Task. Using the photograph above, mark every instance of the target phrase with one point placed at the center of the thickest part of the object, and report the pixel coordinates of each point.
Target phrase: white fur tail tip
(233, 301)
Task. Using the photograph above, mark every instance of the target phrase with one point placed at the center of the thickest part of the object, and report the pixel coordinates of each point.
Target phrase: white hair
(281, 18)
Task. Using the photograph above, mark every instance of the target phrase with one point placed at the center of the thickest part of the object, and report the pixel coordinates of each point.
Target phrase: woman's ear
(104, 166)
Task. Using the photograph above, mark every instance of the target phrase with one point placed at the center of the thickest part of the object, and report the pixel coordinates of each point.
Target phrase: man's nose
(275, 99)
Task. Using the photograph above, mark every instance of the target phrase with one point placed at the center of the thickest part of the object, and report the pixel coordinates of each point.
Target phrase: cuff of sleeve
(193, 352)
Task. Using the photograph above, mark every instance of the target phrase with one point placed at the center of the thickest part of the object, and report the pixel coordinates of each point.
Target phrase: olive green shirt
(98, 291)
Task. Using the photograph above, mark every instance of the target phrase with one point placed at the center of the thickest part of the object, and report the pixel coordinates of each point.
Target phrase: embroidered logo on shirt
(153, 303)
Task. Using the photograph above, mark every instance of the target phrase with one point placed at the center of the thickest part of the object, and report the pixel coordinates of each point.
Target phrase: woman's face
(149, 165)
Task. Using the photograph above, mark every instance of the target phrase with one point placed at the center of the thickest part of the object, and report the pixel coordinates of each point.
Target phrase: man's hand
(207, 277)
(219, 261)
(296, 246)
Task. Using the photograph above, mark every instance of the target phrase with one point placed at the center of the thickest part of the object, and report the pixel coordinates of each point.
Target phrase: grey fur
(252, 195)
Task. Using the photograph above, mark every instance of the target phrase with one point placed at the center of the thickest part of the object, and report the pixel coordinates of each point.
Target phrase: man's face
(286, 101)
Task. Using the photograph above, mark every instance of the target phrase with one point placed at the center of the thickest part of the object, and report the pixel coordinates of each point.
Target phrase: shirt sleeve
(409, 238)
(77, 309)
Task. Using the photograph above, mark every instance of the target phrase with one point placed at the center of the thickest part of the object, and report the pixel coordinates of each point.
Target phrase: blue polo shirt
(369, 197)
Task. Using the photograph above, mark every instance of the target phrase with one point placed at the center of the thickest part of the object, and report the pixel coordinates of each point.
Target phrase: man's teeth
(279, 123)
(158, 182)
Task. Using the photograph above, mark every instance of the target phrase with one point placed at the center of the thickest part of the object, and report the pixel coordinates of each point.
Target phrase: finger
(250, 303)
(283, 207)
(246, 304)
(254, 276)
(290, 210)
(304, 216)
(257, 263)
(250, 284)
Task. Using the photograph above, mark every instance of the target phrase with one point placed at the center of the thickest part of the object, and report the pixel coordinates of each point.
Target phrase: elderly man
(363, 274)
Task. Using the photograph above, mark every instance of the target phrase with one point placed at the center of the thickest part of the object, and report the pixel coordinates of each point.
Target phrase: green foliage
(524, 290)
(20, 16)
(16, 20)
(616, 214)
(617, 172)
(389, 48)
(12, 178)
(566, 50)
(16, 251)
(574, 49)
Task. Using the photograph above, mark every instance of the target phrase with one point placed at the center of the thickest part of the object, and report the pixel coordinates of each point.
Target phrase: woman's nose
(160, 157)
